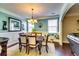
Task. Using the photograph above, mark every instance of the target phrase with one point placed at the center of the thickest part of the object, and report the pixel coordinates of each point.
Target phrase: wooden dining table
(39, 40)
(3, 44)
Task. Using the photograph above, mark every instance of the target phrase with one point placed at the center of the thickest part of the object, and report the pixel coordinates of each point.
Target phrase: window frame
(57, 24)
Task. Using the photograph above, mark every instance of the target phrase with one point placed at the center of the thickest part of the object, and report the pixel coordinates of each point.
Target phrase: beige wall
(69, 23)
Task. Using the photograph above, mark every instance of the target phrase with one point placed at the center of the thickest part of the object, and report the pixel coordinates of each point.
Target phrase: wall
(64, 10)
(3, 17)
(13, 36)
(69, 26)
(69, 23)
(42, 26)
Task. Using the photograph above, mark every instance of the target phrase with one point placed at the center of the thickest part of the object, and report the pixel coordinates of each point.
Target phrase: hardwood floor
(65, 50)
(14, 51)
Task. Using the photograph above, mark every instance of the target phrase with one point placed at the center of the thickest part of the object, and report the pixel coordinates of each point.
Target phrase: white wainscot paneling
(13, 37)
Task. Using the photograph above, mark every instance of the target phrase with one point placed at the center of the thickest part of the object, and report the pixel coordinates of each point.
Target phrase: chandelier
(32, 20)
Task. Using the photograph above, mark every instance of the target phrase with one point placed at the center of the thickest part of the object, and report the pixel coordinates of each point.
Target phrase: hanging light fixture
(32, 20)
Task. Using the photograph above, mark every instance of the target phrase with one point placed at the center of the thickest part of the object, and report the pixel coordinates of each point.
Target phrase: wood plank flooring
(64, 50)
(55, 50)
(14, 51)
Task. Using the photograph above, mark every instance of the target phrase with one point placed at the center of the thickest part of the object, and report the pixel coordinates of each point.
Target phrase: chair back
(38, 34)
(45, 41)
(44, 33)
(33, 34)
(40, 38)
(22, 38)
(32, 40)
(47, 38)
(51, 37)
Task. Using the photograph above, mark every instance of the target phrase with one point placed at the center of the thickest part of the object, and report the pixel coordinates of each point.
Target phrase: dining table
(3, 44)
(39, 40)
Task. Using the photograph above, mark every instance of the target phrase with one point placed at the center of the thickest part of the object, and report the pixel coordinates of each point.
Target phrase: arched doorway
(70, 22)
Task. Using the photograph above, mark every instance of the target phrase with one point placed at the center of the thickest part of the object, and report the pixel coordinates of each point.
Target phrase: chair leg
(47, 48)
(20, 48)
(28, 50)
(39, 48)
(36, 49)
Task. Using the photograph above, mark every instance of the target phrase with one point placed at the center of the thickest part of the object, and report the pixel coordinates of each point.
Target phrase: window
(30, 27)
(53, 26)
(24, 26)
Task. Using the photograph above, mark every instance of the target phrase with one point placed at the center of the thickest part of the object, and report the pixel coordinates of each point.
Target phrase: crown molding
(10, 13)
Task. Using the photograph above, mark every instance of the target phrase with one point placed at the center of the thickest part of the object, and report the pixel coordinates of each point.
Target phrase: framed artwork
(4, 27)
(14, 24)
(78, 25)
(40, 25)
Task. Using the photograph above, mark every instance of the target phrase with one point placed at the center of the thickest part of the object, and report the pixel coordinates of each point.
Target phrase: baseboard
(12, 45)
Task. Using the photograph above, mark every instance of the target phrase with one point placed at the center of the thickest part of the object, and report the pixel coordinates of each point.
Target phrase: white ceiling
(40, 9)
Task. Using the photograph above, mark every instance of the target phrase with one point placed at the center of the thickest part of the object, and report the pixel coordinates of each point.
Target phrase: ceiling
(40, 9)
(74, 10)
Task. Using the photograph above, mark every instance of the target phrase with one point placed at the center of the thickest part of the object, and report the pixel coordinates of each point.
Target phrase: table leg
(4, 49)
(47, 48)
(39, 47)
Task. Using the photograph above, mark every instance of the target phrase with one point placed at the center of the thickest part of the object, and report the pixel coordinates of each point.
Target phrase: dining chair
(51, 38)
(33, 33)
(32, 43)
(23, 42)
(45, 42)
(38, 34)
(39, 40)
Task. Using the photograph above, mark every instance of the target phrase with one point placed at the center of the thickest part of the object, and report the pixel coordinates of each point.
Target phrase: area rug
(14, 51)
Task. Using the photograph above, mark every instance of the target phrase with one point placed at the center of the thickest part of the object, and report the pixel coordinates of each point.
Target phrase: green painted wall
(42, 26)
(4, 17)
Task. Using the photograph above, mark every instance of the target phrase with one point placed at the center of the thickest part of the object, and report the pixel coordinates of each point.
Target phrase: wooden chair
(38, 34)
(33, 33)
(23, 42)
(45, 42)
(51, 38)
(32, 43)
(39, 40)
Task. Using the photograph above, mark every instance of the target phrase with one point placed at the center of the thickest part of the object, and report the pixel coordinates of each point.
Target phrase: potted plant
(33, 30)
(56, 36)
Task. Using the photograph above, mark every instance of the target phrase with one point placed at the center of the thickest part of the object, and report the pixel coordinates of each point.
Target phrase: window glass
(53, 26)
(30, 27)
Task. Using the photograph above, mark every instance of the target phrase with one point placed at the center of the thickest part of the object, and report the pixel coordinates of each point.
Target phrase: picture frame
(14, 24)
(4, 25)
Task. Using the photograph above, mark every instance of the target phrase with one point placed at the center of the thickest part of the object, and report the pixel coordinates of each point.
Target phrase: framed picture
(14, 24)
(4, 25)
